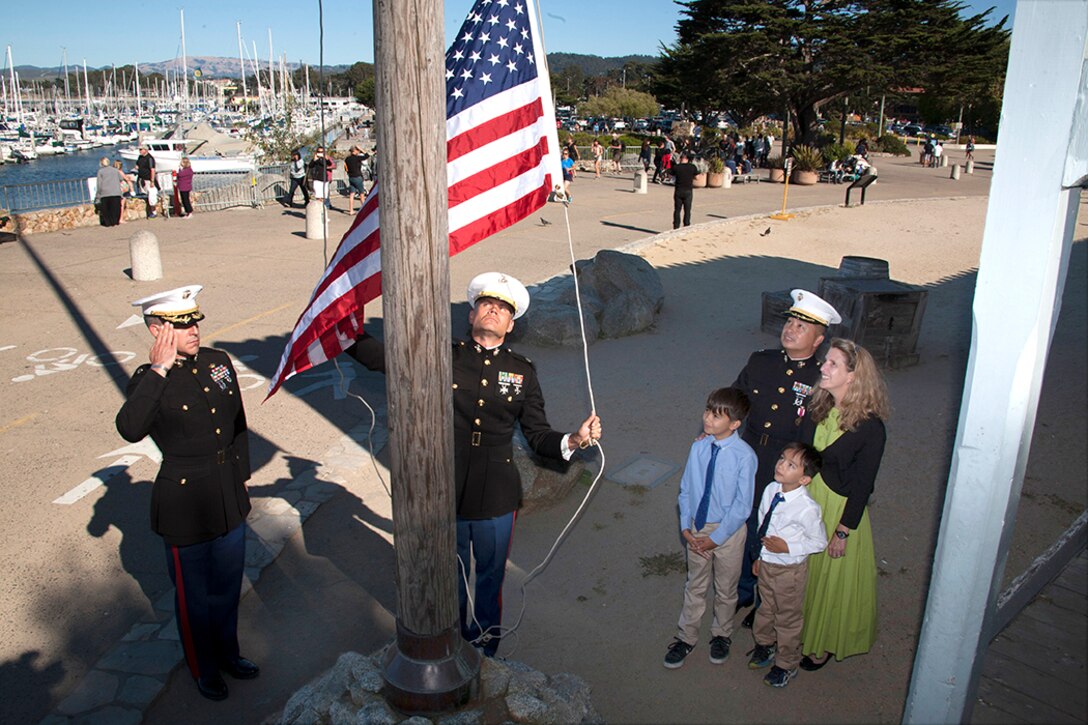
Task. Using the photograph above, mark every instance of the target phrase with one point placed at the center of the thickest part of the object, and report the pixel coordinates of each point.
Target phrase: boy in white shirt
(790, 529)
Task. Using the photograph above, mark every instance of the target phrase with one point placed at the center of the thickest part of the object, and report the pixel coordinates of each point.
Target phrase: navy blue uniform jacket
(492, 390)
(196, 418)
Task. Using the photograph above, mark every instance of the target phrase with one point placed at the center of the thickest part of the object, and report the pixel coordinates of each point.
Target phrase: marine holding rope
(493, 388)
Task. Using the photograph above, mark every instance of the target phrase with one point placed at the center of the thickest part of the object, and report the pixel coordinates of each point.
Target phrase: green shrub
(807, 158)
(776, 162)
(837, 152)
(715, 165)
(892, 144)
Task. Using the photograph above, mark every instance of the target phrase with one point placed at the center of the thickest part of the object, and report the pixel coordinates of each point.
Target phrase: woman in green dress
(846, 424)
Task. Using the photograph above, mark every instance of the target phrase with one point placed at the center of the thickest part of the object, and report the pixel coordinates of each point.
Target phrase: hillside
(220, 67)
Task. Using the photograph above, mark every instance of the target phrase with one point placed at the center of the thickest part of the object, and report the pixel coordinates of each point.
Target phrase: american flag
(502, 158)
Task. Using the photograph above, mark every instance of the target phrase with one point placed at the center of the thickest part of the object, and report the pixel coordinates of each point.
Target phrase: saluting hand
(165, 349)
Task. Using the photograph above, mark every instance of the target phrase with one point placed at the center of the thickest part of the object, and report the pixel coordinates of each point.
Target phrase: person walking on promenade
(779, 382)
(298, 179)
(659, 161)
(645, 155)
(598, 157)
(572, 151)
(494, 388)
(353, 162)
(188, 400)
(846, 424)
(683, 189)
(617, 148)
(108, 193)
(320, 171)
(145, 172)
(185, 186)
(715, 498)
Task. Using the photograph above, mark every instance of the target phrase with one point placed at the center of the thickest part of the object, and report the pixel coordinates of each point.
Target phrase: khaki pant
(724, 567)
(780, 616)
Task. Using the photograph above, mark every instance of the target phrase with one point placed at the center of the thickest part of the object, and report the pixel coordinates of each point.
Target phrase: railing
(213, 190)
(44, 195)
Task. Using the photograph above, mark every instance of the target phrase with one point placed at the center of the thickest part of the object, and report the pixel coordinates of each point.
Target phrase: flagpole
(430, 668)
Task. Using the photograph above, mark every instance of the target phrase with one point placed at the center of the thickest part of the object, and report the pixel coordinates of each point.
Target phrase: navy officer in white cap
(494, 388)
(778, 383)
(187, 399)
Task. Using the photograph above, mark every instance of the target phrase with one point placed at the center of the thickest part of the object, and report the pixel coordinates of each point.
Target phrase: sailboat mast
(67, 92)
(87, 87)
(271, 75)
(184, 65)
(241, 61)
(14, 90)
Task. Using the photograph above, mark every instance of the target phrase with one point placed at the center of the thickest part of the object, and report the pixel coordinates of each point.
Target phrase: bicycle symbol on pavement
(65, 359)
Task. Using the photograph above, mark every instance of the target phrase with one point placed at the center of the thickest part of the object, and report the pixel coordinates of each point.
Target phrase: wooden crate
(881, 315)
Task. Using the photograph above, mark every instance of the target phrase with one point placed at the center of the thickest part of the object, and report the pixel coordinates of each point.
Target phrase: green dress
(840, 597)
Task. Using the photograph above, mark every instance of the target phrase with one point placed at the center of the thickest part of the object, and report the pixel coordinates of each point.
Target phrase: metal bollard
(955, 172)
(970, 166)
(317, 219)
(143, 251)
(640, 182)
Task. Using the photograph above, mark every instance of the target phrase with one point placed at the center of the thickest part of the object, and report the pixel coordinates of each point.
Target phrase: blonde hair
(866, 396)
(105, 161)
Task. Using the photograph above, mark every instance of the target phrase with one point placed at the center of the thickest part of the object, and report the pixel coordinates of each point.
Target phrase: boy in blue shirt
(715, 500)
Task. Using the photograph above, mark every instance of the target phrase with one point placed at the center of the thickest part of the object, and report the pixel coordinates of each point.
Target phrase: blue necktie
(778, 498)
(704, 502)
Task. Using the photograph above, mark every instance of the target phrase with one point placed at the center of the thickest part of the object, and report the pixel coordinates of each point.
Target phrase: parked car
(912, 129)
(941, 130)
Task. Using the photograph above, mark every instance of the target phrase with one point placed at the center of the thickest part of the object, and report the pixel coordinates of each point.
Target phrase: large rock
(554, 324)
(613, 273)
(620, 295)
(510, 692)
(544, 481)
(627, 313)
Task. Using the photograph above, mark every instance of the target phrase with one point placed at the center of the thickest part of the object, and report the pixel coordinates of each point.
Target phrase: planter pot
(715, 180)
(804, 178)
(777, 176)
(700, 181)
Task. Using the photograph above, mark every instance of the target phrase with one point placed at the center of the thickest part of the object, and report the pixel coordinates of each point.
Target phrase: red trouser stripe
(183, 617)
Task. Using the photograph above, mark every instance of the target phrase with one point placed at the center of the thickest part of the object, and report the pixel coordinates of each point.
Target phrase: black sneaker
(762, 656)
(678, 650)
(719, 649)
(779, 677)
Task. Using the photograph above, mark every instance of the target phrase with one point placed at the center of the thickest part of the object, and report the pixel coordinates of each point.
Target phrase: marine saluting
(187, 399)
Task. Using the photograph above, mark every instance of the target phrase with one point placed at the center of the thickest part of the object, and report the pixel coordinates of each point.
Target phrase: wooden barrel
(863, 268)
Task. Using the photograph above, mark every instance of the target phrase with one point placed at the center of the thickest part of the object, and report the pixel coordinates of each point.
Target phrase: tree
(765, 56)
(620, 102)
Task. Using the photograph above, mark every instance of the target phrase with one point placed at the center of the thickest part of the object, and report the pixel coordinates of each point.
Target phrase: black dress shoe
(810, 665)
(212, 687)
(241, 669)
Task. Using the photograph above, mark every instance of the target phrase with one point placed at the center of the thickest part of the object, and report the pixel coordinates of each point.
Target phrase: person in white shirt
(790, 529)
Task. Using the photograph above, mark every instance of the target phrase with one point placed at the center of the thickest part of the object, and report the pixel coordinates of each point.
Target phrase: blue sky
(151, 32)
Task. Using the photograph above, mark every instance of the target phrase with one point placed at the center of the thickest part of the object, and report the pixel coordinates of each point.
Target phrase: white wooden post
(1025, 254)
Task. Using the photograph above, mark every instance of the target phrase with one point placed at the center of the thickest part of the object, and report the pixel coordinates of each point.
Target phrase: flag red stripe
(493, 130)
(489, 178)
(500, 219)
